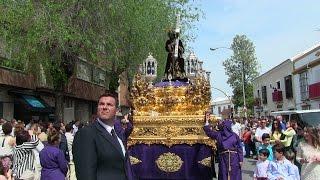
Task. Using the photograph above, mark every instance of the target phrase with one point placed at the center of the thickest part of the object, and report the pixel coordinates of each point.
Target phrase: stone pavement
(247, 168)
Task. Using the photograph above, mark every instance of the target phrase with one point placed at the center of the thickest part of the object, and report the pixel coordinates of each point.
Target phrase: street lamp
(213, 49)
(230, 98)
(242, 78)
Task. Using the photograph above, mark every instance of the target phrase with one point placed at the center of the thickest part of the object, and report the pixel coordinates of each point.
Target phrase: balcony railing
(277, 96)
(314, 90)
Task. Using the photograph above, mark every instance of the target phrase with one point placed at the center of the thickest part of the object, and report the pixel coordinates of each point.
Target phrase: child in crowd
(280, 168)
(260, 172)
(5, 175)
(290, 155)
(266, 145)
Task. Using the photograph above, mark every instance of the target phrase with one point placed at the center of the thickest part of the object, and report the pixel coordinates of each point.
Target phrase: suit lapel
(108, 136)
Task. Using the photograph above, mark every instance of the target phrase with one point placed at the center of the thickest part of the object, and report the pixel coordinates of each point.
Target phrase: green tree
(142, 26)
(243, 63)
(116, 34)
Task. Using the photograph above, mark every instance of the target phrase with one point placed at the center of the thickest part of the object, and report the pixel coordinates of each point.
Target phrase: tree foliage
(117, 34)
(243, 61)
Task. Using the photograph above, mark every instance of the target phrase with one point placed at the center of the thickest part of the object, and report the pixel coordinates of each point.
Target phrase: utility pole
(243, 90)
(242, 77)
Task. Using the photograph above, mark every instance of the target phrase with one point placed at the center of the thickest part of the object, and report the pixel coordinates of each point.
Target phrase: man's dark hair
(2, 171)
(290, 155)
(265, 152)
(265, 136)
(110, 94)
(57, 125)
(22, 136)
(279, 148)
(293, 120)
(68, 127)
(7, 128)
(44, 126)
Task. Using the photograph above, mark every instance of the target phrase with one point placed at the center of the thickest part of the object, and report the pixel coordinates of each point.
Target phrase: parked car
(309, 118)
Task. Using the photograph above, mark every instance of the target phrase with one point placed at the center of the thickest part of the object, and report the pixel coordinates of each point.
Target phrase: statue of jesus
(175, 64)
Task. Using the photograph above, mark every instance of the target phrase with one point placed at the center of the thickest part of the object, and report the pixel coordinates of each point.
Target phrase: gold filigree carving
(206, 162)
(170, 115)
(169, 162)
(134, 160)
(169, 130)
(193, 99)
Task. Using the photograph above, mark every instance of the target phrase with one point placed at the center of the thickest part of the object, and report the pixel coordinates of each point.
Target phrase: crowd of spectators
(37, 150)
(283, 148)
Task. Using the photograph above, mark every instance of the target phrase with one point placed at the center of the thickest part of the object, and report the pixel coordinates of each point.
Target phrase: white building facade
(273, 90)
(222, 107)
(306, 75)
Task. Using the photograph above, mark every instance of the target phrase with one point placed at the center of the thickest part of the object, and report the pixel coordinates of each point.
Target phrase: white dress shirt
(109, 128)
(75, 129)
(70, 138)
(261, 169)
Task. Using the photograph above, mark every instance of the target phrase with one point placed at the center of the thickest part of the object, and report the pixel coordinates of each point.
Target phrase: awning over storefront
(32, 102)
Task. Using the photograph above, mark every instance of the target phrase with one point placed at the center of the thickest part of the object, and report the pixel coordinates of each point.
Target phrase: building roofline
(306, 52)
(276, 67)
(295, 58)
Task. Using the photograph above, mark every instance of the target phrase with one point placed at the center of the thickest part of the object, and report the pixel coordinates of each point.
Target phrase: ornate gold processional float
(170, 115)
(168, 140)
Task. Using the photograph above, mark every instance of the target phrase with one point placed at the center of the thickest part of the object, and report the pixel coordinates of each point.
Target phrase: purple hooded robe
(227, 141)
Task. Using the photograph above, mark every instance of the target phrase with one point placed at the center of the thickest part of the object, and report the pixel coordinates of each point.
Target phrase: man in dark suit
(98, 151)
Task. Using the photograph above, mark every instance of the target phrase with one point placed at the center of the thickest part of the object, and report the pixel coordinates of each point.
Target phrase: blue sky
(279, 29)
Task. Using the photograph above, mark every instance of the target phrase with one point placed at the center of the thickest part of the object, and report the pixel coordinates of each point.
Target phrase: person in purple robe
(230, 154)
(124, 128)
(52, 159)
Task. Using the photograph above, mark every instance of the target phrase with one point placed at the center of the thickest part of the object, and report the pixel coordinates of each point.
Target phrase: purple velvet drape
(190, 155)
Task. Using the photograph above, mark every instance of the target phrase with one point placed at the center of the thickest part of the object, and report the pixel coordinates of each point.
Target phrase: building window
(68, 103)
(278, 85)
(288, 86)
(264, 94)
(304, 90)
(229, 107)
(258, 92)
(307, 107)
(99, 76)
(84, 71)
(219, 110)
